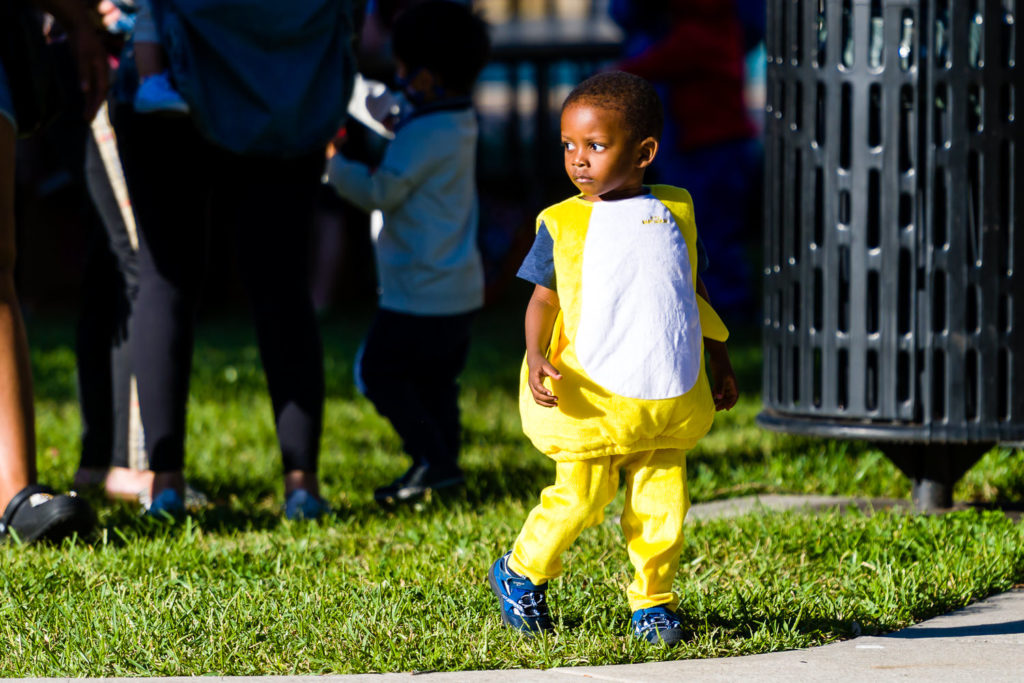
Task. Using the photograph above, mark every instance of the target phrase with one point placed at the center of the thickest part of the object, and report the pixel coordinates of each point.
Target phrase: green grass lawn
(237, 590)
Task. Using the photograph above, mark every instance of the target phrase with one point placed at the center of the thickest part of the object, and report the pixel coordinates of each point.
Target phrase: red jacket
(701, 60)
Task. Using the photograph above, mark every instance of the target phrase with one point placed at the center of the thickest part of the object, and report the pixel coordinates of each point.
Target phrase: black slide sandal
(37, 513)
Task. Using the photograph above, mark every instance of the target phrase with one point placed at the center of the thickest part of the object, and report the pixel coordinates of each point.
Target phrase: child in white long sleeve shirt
(429, 267)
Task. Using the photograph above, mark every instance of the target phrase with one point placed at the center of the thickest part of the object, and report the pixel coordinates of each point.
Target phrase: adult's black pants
(101, 340)
(179, 181)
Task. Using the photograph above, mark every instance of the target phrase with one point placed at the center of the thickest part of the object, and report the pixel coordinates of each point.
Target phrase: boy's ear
(425, 80)
(647, 151)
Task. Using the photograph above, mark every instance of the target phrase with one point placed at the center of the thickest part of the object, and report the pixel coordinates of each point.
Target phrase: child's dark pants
(408, 368)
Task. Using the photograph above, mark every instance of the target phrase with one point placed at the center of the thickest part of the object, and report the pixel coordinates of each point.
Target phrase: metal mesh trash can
(893, 307)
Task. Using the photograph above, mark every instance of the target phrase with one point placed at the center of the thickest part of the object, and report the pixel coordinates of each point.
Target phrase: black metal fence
(536, 58)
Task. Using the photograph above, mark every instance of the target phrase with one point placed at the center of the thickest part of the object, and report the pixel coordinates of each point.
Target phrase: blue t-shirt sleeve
(539, 265)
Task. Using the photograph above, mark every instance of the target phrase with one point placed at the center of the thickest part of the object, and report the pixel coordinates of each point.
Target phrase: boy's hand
(541, 313)
(384, 108)
(539, 368)
(724, 390)
(724, 387)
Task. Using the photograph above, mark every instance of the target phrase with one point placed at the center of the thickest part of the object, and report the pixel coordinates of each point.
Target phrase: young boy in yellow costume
(613, 381)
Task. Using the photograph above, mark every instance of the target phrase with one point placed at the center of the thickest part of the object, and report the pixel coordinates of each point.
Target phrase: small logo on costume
(653, 219)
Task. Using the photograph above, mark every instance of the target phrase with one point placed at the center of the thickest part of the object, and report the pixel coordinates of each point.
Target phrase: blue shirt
(263, 77)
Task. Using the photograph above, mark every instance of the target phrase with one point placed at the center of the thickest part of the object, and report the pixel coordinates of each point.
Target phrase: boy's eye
(597, 146)
(568, 146)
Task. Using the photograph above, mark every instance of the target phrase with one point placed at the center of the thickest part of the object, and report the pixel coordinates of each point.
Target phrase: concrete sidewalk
(734, 507)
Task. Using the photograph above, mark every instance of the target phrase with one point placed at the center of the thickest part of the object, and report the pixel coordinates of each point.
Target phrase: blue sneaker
(301, 504)
(156, 95)
(522, 602)
(167, 504)
(657, 625)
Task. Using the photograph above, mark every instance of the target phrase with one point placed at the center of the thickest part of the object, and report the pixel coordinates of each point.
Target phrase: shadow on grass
(697, 625)
(1013, 510)
(518, 482)
(245, 508)
(123, 528)
(815, 626)
(1007, 628)
(512, 481)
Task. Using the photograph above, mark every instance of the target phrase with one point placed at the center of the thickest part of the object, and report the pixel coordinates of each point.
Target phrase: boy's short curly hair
(444, 37)
(624, 92)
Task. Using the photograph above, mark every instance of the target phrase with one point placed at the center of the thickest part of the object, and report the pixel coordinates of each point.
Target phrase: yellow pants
(652, 519)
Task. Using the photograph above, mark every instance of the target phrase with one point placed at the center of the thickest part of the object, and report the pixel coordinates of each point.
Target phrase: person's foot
(418, 481)
(116, 483)
(523, 603)
(301, 504)
(657, 625)
(167, 504)
(156, 95)
(36, 513)
(124, 483)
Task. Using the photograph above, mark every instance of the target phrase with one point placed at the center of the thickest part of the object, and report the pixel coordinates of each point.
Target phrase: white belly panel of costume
(639, 332)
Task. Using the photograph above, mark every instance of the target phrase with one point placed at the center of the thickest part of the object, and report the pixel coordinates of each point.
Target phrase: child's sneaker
(301, 504)
(657, 625)
(417, 482)
(157, 95)
(523, 604)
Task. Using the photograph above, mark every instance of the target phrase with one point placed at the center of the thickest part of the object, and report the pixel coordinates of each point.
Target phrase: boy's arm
(407, 162)
(724, 387)
(368, 189)
(540, 320)
(352, 180)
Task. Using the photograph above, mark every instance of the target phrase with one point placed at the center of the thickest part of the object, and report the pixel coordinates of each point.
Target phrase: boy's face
(603, 160)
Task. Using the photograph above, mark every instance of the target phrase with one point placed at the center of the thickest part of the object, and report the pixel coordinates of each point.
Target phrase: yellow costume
(634, 396)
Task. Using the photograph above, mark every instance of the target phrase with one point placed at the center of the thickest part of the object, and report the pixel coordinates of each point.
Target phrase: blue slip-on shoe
(156, 95)
(523, 603)
(657, 625)
(301, 504)
(166, 505)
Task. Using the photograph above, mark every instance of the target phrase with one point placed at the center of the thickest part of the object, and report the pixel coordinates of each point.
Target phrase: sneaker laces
(531, 605)
(658, 620)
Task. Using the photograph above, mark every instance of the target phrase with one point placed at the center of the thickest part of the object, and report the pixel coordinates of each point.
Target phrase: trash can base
(930, 495)
(934, 469)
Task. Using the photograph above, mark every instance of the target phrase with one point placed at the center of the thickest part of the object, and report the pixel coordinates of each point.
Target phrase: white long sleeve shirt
(428, 262)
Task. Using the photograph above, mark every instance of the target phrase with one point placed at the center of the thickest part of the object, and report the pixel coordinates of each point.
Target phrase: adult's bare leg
(17, 420)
